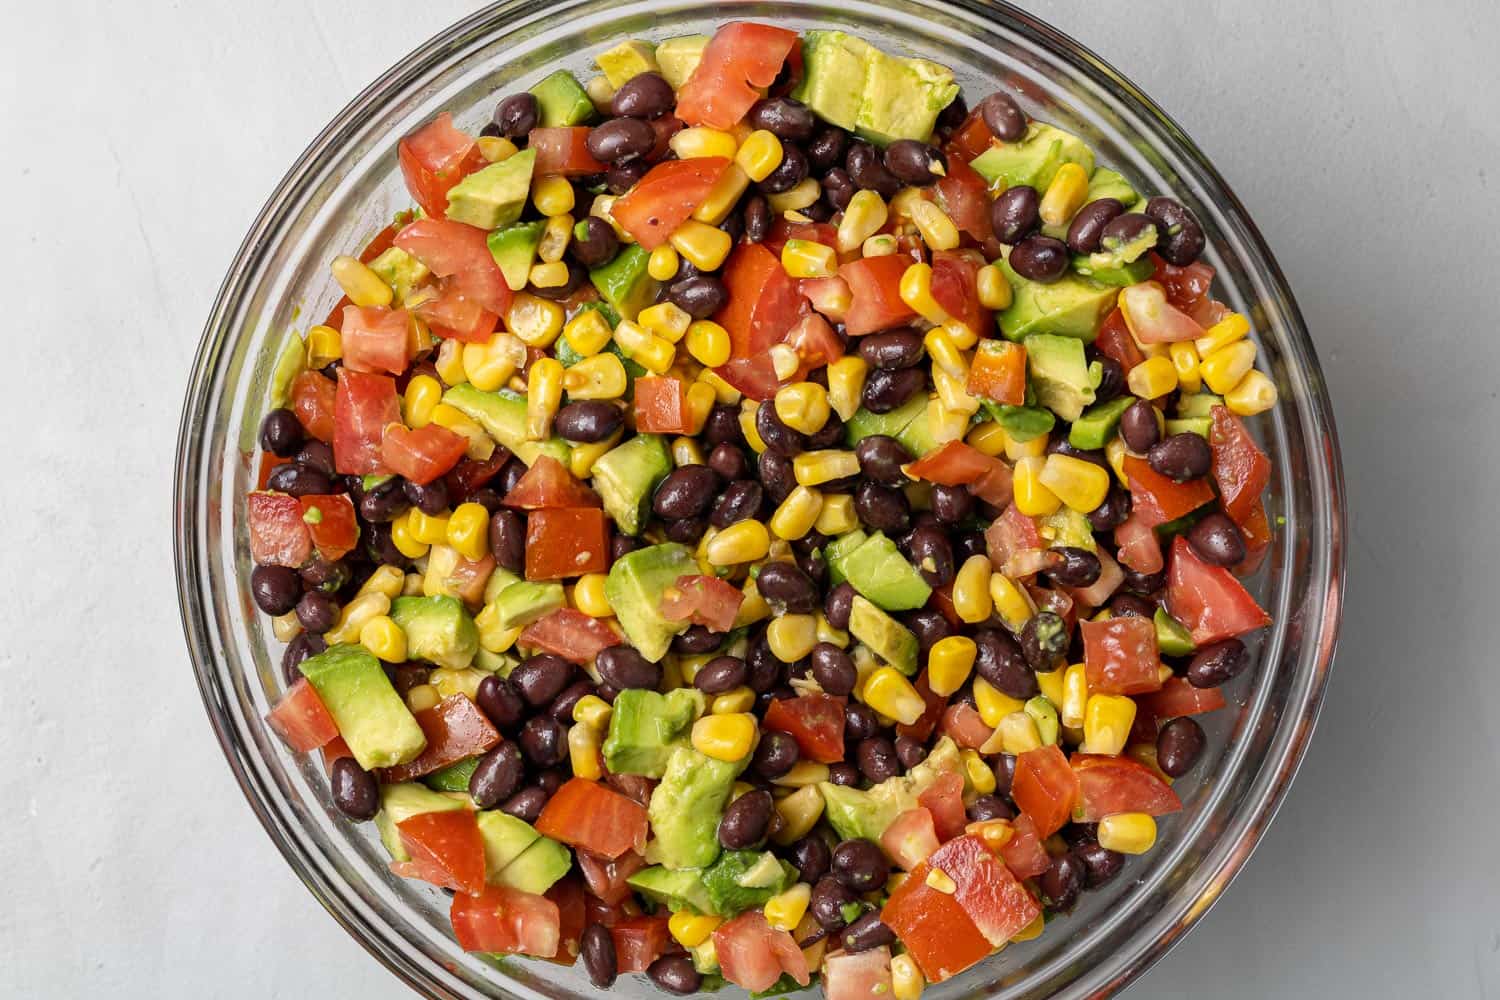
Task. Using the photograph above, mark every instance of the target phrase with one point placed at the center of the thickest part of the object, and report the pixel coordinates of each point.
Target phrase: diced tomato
(665, 197)
(1120, 656)
(278, 535)
(955, 286)
(965, 196)
(433, 159)
(962, 722)
(1055, 601)
(1151, 319)
(661, 405)
(455, 316)
(997, 904)
(301, 719)
(470, 474)
(911, 838)
(374, 339)
(461, 254)
(954, 464)
(467, 579)
(763, 302)
(570, 634)
(706, 600)
(563, 151)
(1023, 853)
(936, 931)
(1207, 312)
(944, 798)
(333, 528)
(875, 283)
(333, 750)
(754, 377)
(1044, 787)
(829, 296)
(1177, 697)
(753, 955)
(567, 895)
(566, 541)
(447, 844)
(1184, 285)
(1009, 536)
(1257, 532)
(1110, 578)
(455, 729)
(506, 921)
(815, 721)
(815, 343)
(635, 787)
(1110, 785)
(858, 976)
(1208, 599)
(998, 372)
(923, 727)
(969, 140)
(421, 455)
(606, 876)
(741, 57)
(312, 399)
(783, 232)
(364, 405)
(548, 484)
(942, 602)
(1114, 341)
(1139, 547)
(587, 815)
(1240, 468)
(1157, 499)
(639, 941)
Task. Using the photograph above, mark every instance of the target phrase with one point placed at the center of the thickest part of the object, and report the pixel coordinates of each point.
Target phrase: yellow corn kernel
(325, 345)
(383, 637)
(1107, 719)
(902, 201)
(785, 909)
(708, 343)
(386, 580)
(556, 236)
(937, 229)
(1051, 684)
(759, 155)
(836, 516)
(599, 377)
(1115, 452)
(971, 590)
(1223, 369)
(797, 513)
(450, 682)
(994, 288)
(450, 363)
(690, 930)
(644, 347)
(741, 542)
(803, 406)
(429, 528)
(1153, 378)
(916, 291)
(1065, 195)
(685, 451)
(469, 531)
(747, 426)
(1079, 484)
(592, 711)
(1031, 931)
(582, 457)
(802, 774)
(906, 978)
(1128, 833)
(723, 391)
(993, 704)
(723, 196)
(1255, 393)
(814, 467)
(949, 664)
(863, 218)
(1185, 359)
(807, 259)
(665, 319)
(406, 543)
(544, 384)
(725, 737)
(944, 424)
(740, 699)
(797, 198)
(846, 384)
(827, 633)
(1031, 495)
(589, 596)
(600, 209)
(423, 394)
(888, 692)
(583, 752)
(978, 773)
(495, 148)
(941, 881)
(945, 354)
(784, 361)
(1017, 733)
(552, 196)
(364, 287)
(491, 364)
(481, 445)
(987, 437)
(422, 697)
(879, 245)
(954, 395)
(800, 812)
(692, 143)
(705, 246)
(285, 627)
(791, 637)
(1012, 603)
(535, 320)
(663, 262)
(553, 275)
(1223, 333)
(1075, 697)
(700, 403)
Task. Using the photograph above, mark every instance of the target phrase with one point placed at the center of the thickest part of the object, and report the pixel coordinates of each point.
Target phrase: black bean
(675, 974)
(1180, 239)
(597, 946)
(763, 670)
(1131, 606)
(775, 755)
(541, 678)
(860, 722)
(686, 492)
(910, 752)
(317, 612)
(588, 420)
(1039, 258)
(758, 218)
(882, 508)
(746, 821)
(621, 177)
(431, 498)
(832, 433)
(783, 117)
(1005, 773)
(1072, 567)
(829, 897)
(740, 501)
(952, 116)
(988, 807)
(952, 504)
(729, 462)
(384, 503)
(598, 244)
(1217, 540)
(526, 804)
(1114, 511)
(551, 780)
(276, 589)
(299, 481)
(929, 626)
(1139, 428)
(621, 139)
(892, 349)
(888, 390)
(1087, 227)
(1000, 661)
(877, 759)
(1003, 116)
(838, 189)
(932, 553)
(812, 858)
(791, 171)
(723, 425)
(645, 95)
(837, 605)
(699, 296)
(846, 775)
(281, 433)
(318, 456)
(787, 589)
(833, 669)
(1062, 882)
(300, 648)
(1179, 745)
(378, 548)
(1217, 664)
(1111, 380)
(869, 931)
(510, 475)
(827, 147)
(355, 790)
(508, 540)
(497, 776)
(697, 639)
(621, 546)
(517, 115)
(880, 460)
(563, 705)
(1044, 641)
(1100, 864)
(543, 741)
(1144, 583)
(1126, 229)
(868, 171)
(324, 576)
(623, 668)
(721, 674)
(1181, 457)
(913, 162)
(1016, 214)
(776, 435)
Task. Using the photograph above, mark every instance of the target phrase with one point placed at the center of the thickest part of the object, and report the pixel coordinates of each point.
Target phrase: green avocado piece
(865, 814)
(568, 356)
(679, 57)
(1117, 276)
(503, 416)
(901, 98)
(400, 270)
(625, 283)
(500, 579)
(706, 963)
(865, 423)
(493, 196)
(1021, 422)
(562, 101)
(370, 715)
(1060, 374)
(514, 250)
(676, 890)
(743, 880)
(1097, 425)
(505, 838)
(627, 61)
(1190, 425)
(1107, 183)
(1034, 159)
(1071, 306)
(438, 630)
(453, 778)
(525, 601)
(1044, 714)
(291, 362)
(836, 553)
(1117, 254)
(1198, 404)
(401, 802)
(887, 638)
(538, 867)
(1172, 637)
(626, 476)
(686, 808)
(879, 571)
(1067, 528)
(917, 437)
(834, 65)
(634, 588)
(645, 727)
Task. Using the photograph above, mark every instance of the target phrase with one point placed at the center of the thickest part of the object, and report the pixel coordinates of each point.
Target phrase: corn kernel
(601, 209)
(495, 148)
(995, 833)
(836, 516)
(954, 395)
(422, 396)
(865, 214)
(708, 343)
(888, 692)
(1107, 719)
(450, 682)
(285, 627)
(450, 363)
(987, 437)
(1128, 833)
(422, 697)
(1017, 734)
(784, 361)
(879, 245)
(784, 910)
(429, 528)
(406, 543)
(583, 752)
(383, 637)
(802, 774)
(741, 542)
(704, 246)
(945, 354)
(1031, 931)
(469, 531)
(1075, 697)
(723, 391)
(536, 321)
(588, 333)
(740, 699)
(685, 451)
(556, 235)
(807, 259)
(916, 291)
(663, 263)
(491, 364)
(797, 198)
(1065, 195)
(644, 347)
(971, 590)
(759, 155)
(903, 200)
(949, 663)
(693, 143)
(725, 737)
(906, 979)
(1013, 604)
(1153, 378)
(937, 229)
(978, 774)
(799, 812)
(747, 426)
(941, 881)
(803, 406)
(1079, 484)
(814, 467)
(665, 319)
(994, 288)
(723, 196)
(827, 633)
(1185, 359)
(690, 930)
(1223, 333)
(544, 384)
(1224, 368)
(846, 384)
(589, 596)
(797, 513)
(791, 637)
(553, 275)
(1031, 495)
(1255, 393)
(599, 377)
(364, 287)
(552, 196)
(593, 711)
(993, 704)
(324, 346)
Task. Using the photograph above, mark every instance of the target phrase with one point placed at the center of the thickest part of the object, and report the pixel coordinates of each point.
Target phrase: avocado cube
(865, 423)
(1116, 275)
(645, 727)
(833, 76)
(627, 61)
(1067, 528)
(626, 476)
(686, 808)
(505, 837)
(525, 602)
(453, 778)
(538, 867)
(438, 630)
(1060, 374)
(1189, 425)
(902, 98)
(837, 552)
(561, 101)
(879, 571)
(514, 250)
(634, 588)
(503, 416)
(887, 638)
(676, 890)
(494, 195)
(679, 57)
(400, 802)
(918, 437)
(743, 880)
(1034, 159)
(370, 715)
(625, 283)
(1071, 306)
(291, 362)
(1198, 404)
(1107, 183)
(1096, 426)
(865, 814)
(400, 270)
(1021, 422)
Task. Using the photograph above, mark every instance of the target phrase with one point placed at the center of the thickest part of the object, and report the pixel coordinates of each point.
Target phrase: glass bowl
(346, 187)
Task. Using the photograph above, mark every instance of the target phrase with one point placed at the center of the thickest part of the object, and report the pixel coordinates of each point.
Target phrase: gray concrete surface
(140, 139)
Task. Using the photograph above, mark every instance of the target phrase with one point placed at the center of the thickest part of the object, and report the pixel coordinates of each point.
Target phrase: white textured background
(137, 142)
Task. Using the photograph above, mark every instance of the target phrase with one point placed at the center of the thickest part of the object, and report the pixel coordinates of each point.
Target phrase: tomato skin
(548, 484)
(753, 955)
(571, 634)
(313, 402)
(763, 302)
(1010, 535)
(1177, 697)
(1157, 499)
(875, 283)
(455, 316)
(1185, 285)
(1151, 319)
(563, 151)
(815, 343)
(1208, 599)
(506, 921)
(639, 941)
(455, 729)
(1240, 468)
(783, 231)
(336, 531)
(461, 254)
(937, 932)
(665, 197)
(962, 722)
(1139, 547)
(815, 721)
(971, 138)
(1110, 785)
(363, 406)
(953, 464)
(301, 719)
(740, 57)
(449, 845)
(999, 906)
(998, 372)
(1023, 853)
(827, 295)
(471, 474)
(1044, 788)
(910, 839)
(706, 600)
(1120, 656)
(944, 799)
(606, 876)
(661, 405)
(587, 815)
(434, 158)
(566, 541)
(278, 535)
(955, 286)
(1257, 532)
(1114, 341)
(965, 196)
(421, 455)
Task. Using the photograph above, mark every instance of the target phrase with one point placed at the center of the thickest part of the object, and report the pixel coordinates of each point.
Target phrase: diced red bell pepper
(587, 815)
(969, 139)
(566, 541)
